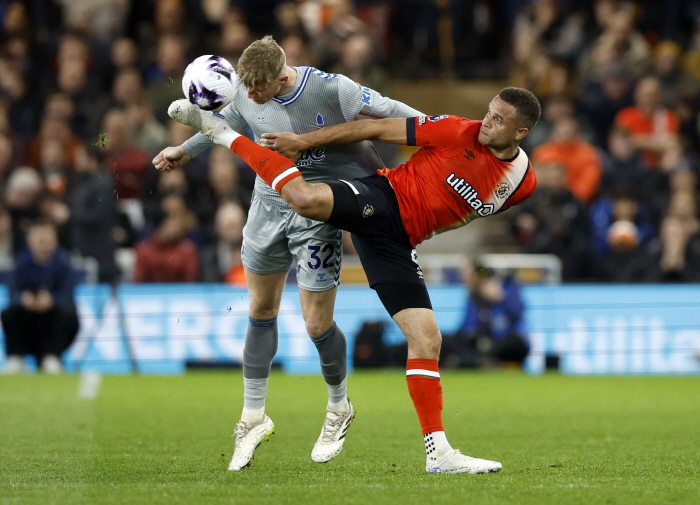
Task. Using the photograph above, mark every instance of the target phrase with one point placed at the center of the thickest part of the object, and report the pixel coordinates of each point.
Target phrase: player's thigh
(265, 293)
(317, 308)
(266, 257)
(318, 250)
(265, 245)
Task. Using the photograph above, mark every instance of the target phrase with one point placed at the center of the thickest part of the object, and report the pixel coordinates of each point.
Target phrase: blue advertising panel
(640, 329)
(595, 329)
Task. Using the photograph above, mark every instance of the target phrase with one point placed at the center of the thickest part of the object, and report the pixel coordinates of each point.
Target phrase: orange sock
(273, 168)
(423, 380)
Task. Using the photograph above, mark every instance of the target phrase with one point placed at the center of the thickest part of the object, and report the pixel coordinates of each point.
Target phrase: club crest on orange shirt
(502, 190)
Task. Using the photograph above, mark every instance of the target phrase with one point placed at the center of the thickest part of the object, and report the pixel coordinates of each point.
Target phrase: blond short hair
(263, 60)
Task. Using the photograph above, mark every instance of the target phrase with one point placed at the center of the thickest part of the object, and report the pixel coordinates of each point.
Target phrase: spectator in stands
(342, 24)
(622, 165)
(621, 44)
(675, 256)
(235, 37)
(196, 169)
(145, 132)
(560, 33)
(358, 62)
(553, 221)
(21, 105)
(60, 106)
(167, 256)
(41, 320)
(674, 80)
(604, 97)
(103, 18)
(93, 213)
(580, 159)
(164, 79)
(621, 206)
(127, 164)
(74, 79)
(295, 50)
(54, 210)
(53, 166)
(127, 87)
(554, 108)
(167, 183)
(52, 128)
(653, 127)
(174, 203)
(124, 53)
(22, 192)
(493, 331)
(223, 183)
(627, 262)
(221, 261)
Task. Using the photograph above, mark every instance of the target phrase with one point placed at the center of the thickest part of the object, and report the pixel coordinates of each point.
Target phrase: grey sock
(332, 351)
(260, 348)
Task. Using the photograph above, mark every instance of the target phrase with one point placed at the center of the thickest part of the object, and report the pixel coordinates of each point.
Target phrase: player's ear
(521, 132)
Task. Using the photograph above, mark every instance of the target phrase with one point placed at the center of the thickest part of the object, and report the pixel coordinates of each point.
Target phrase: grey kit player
(273, 97)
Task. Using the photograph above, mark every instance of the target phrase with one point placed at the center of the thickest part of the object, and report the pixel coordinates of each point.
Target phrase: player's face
(263, 92)
(500, 128)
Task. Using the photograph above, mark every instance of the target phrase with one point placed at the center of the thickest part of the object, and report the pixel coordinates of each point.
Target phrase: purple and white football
(210, 82)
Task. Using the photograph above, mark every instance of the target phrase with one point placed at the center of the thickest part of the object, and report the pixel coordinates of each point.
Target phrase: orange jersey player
(454, 178)
(464, 169)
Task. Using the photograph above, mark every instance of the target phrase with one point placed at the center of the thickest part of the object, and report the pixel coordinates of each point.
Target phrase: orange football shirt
(453, 179)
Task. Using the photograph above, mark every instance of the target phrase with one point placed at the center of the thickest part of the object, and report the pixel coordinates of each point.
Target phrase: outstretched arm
(391, 131)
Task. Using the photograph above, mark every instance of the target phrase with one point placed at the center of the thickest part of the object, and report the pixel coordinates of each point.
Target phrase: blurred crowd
(85, 86)
(616, 151)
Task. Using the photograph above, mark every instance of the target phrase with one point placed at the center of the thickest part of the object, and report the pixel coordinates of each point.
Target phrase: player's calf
(273, 168)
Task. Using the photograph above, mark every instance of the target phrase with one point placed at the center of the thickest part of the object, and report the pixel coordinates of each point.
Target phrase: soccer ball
(210, 82)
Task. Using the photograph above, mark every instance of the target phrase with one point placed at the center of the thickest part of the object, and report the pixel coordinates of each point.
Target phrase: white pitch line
(89, 385)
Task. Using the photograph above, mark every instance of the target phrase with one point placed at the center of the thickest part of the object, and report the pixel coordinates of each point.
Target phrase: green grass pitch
(562, 440)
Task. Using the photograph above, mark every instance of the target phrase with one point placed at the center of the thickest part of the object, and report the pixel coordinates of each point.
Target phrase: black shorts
(368, 209)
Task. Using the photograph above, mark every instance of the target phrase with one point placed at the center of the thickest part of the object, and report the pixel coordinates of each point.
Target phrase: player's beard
(496, 144)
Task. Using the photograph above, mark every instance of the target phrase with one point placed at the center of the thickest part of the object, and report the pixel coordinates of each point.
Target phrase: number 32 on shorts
(328, 253)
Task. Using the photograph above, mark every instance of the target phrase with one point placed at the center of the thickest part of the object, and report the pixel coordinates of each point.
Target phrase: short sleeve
(357, 99)
(434, 131)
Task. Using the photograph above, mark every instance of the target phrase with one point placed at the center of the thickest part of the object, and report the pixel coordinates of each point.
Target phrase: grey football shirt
(318, 99)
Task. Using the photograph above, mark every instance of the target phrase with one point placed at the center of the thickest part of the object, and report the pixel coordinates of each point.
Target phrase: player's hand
(288, 144)
(171, 157)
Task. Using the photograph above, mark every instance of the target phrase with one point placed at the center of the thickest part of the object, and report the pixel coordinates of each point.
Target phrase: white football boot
(211, 124)
(248, 438)
(332, 438)
(454, 461)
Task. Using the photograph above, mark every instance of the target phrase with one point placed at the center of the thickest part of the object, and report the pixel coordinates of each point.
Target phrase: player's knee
(262, 310)
(318, 326)
(433, 342)
(304, 200)
(427, 346)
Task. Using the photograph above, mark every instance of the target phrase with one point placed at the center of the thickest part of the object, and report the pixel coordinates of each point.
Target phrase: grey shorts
(274, 237)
